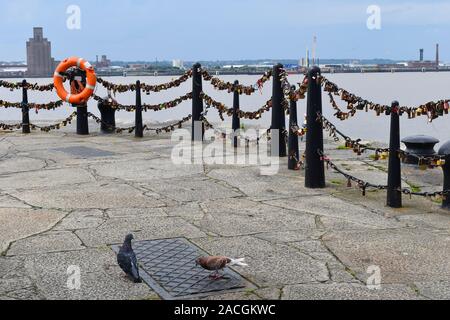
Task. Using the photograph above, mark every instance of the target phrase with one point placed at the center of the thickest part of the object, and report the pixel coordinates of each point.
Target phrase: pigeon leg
(216, 276)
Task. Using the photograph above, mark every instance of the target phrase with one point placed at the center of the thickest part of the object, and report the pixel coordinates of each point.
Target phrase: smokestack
(437, 54)
(314, 48)
(307, 58)
(421, 55)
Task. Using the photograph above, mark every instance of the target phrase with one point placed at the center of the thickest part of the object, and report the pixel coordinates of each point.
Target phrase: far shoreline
(250, 73)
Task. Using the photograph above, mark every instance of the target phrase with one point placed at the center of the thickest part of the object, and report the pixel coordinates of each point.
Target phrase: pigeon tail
(238, 262)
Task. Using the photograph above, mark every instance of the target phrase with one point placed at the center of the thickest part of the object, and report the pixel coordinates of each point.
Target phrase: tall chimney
(437, 55)
(421, 55)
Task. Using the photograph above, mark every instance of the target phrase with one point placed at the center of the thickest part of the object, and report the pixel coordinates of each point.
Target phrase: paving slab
(348, 291)
(81, 219)
(403, 255)
(44, 179)
(17, 223)
(436, 290)
(334, 208)
(89, 196)
(54, 241)
(20, 164)
(114, 230)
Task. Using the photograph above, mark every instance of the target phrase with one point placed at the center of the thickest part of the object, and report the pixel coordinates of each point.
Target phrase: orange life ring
(91, 80)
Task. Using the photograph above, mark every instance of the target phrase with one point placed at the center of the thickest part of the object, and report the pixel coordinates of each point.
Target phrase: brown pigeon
(217, 263)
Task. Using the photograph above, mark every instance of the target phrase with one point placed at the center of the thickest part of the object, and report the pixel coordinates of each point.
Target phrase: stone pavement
(59, 208)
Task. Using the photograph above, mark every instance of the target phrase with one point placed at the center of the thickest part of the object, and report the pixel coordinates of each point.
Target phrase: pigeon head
(200, 261)
(127, 241)
(129, 237)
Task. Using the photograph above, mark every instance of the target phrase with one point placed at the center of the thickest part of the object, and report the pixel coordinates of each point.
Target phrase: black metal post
(82, 120)
(108, 116)
(278, 115)
(394, 194)
(236, 118)
(25, 109)
(294, 153)
(446, 197)
(82, 112)
(198, 128)
(139, 130)
(314, 164)
(445, 151)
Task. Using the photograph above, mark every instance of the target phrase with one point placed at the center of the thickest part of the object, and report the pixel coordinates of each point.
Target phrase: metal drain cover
(168, 267)
(85, 152)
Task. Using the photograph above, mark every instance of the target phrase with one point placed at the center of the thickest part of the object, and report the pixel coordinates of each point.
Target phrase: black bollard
(108, 116)
(278, 114)
(314, 164)
(82, 112)
(82, 120)
(139, 130)
(445, 151)
(236, 119)
(294, 153)
(25, 109)
(198, 127)
(394, 194)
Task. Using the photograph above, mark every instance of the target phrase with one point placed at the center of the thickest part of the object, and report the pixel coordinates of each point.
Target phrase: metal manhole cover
(85, 152)
(168, 267)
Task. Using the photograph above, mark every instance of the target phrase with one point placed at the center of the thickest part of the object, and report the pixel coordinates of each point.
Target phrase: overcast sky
(228, 29)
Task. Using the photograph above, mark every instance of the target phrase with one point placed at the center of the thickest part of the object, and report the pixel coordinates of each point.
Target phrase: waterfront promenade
(64, 199)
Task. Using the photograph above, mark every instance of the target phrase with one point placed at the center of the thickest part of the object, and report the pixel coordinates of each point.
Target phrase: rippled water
(410, 89)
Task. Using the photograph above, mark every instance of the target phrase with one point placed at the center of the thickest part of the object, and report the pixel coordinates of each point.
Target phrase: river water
(410, 89)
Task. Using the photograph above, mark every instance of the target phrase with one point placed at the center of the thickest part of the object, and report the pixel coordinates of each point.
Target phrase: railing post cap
(445, 149)
(314, 71)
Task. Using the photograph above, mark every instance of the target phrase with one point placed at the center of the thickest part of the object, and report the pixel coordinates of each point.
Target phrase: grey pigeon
(126, 258)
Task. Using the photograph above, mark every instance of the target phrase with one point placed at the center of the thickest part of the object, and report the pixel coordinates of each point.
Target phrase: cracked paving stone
(190, 211)
(44, 178)
(290, 236)
(316, 250)
(114, 230)
(18, 223)
(89, 196)
(269, 264)
(431, 221)
(20, 164)
(436, 290)
(100, 276)
(7, 201)
(146, 170)
(226, 224)
(53, 241)
(136, 212)
(404, 255)
(81, 219)
(192, 189)
(335, 211)
(253, 184)
(348, 291)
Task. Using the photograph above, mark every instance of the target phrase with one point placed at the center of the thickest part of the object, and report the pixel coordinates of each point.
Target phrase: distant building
(103, 63)
(39, 55)
(178, 64)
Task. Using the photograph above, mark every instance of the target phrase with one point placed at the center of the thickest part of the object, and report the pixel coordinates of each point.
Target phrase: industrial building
(39, 55)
